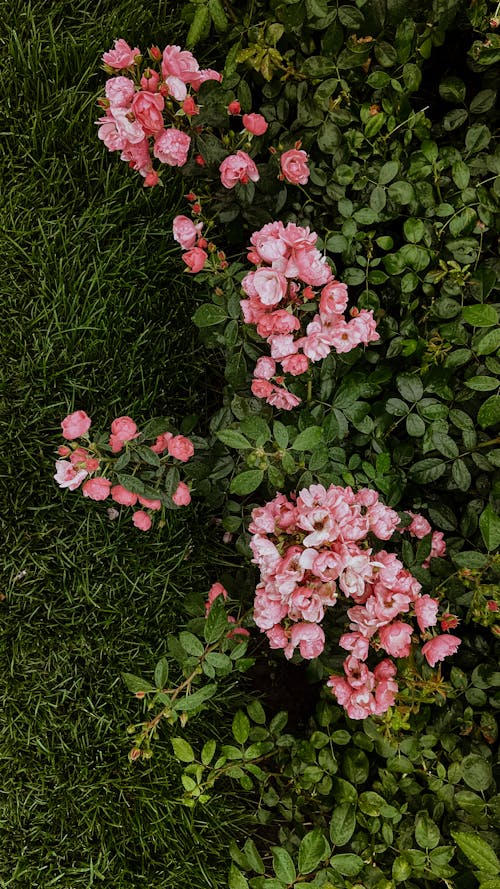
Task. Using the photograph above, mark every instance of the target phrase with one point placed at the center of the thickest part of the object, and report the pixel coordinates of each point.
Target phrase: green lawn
(95, 316)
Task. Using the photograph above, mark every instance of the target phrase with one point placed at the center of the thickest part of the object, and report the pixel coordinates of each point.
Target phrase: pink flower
(202, 76)
(172, 147)
(294, 166)
(122, 56)
(120, 495)
(270, 286)
(75, 424)
(151, 179)
(310, 639)
(120, 91)
(64, 451)
(141, 520)
(419, 526)
(438, 548)
(265, 368)
(236, 168)
(181, 448)
(356, 643)
(150, 80)
(282, 399)
(190, 107)
(149, 504)
(124, 428)
(182, 496)
(295, 364)
(255, 124)
(395, 638)
(440, 647)
(96, 488)
(261, 388)
(195, 259)
(333, 298)
(178, 64)
(215, 590)
(67, 476)
(234, 107)
(148, 108)
(161, 443)
(426, 610)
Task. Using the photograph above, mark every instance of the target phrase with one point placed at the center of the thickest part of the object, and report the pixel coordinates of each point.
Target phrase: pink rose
(261, 388)
(122, 56)
(161, 443)
(256, 124)
(181, 448)
(236, 168)
(67, 476)
(120, 91)
(419, 526)
(172, 147)
(234, 107)
(120, 495)
(202, 76)
(148, 108)
(440, 647)
(141, 520)
(182, 496)
(178, 63)
(295, 364)
(186, 233)
(282, 399)
(75, 424)
(333, 298)
(269, 285)
(195, 259)
(215, 590)
(149, 504)
(294, 166)
(395, 638)
(150, 80)
(309, 637)
(124, 428)
(265, 368)
(426, 610)
(96, 488)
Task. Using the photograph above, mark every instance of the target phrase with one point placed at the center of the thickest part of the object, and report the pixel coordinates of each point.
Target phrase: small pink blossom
(75, 424)
(67, 476)
(142, 520)
(122, 56)
(265, 368)
(310, 639)
(190, 107)
(333, 298)
(147, 108)
(295, 364)
(395, 638)
(182, 496)
(120, 495)
(217, 589)
(234, 107)
(180, 447)
(120, 91)
(172, 147)
(440, 647)
(149, 504)
(186, 233)
(96, 488)
(195, 259)
(294, 167)
(256, 124)
(236, 168)
(426, 610)
(161, 443)
(261, 388)
(419, 526)
(124, 428)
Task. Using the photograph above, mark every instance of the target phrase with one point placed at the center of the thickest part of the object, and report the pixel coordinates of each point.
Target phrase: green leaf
(216, 624)
(147, 456)
(371, 803)
(470, 559)
(136, 684)
(387, 173)
(308, 439)
(161, 673)
(477, 772)
(236, 880)
(477, 851)
(233, 439)
(198, 26)
(480, 315)
(489, 343)
(489, 525)
(194, 700)
(356, 766)
(452, 89)
(313, 848)
(342, 824)
(483, 101)
(482, 383)
(280, 433)
(256, 712)
(246, 482)
(136, 486)
(415, 426)
(410, 387)
(283, 865)
(347, 864)
(240, 727)
(429, 470)
(489, 412)
(401, 192)
(191, 644)
(252, 855)
(208, 314)
(208, 751)
(461, 174)
(427, 833)
(182, 750)
(477, 137)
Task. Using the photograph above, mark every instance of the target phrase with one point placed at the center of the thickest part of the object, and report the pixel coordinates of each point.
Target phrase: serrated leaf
(182, 750)
(477, 851)
(194, 700)
(234, 439)
(308, 439)
(236, 880)
(216, 624)
(246, 482)
(480, 315)
(136, 684)
(208, 314)
(191, 644)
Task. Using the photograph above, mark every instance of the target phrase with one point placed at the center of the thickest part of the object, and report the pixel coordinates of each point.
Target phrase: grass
(96, 316)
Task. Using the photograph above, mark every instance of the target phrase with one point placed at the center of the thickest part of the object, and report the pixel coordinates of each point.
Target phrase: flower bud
(134, 754)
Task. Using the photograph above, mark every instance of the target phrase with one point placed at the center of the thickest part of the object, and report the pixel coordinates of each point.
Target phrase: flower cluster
(92, 465)
(197, 249)
(138, 105)
(313, 549)
(290, 273)
(151, 113)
